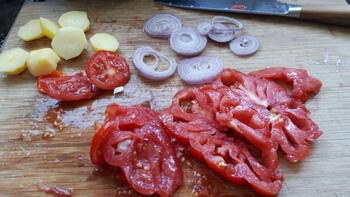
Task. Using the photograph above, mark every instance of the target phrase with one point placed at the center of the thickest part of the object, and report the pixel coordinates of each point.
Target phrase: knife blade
(338, 14)
(265, 7)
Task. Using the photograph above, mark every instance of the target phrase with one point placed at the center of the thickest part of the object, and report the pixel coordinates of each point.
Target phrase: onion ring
(244, 45)
(204, 28)
(162, 25)
(187, 41)
(229, 20)
(221, 33)
(199, 70)
(150, 71)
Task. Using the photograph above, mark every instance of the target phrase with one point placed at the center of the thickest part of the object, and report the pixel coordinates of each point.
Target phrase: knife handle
(330, 14)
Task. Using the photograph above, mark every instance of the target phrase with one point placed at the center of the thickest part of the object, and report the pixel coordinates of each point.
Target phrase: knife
(333, 14)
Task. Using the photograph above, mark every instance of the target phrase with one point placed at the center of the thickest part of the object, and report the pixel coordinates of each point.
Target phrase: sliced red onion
(199, 70)
(203, 28)
(150, 71)
(162, 25)
(221, 33)
(244, 45)
(227, 20)
(187, 41)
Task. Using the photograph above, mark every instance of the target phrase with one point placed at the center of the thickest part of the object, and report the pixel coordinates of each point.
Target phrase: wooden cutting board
(26, 158)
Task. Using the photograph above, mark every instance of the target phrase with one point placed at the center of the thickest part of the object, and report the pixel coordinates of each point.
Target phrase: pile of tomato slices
(105, 70)
(235, 124)
(134, 139)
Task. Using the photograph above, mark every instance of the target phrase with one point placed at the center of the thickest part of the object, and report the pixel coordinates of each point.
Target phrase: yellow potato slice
(104, 41)
(13, 61)
(42, 61)
(48, 27)
(77, 19)
(69, 42)
(30, 31)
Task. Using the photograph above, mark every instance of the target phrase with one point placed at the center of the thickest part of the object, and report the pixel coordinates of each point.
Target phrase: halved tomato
(107, 70)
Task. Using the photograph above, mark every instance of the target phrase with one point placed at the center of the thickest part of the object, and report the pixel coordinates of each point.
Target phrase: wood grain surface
(26, 158)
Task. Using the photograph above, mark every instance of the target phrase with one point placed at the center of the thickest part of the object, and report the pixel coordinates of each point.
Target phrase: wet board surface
(27, 158)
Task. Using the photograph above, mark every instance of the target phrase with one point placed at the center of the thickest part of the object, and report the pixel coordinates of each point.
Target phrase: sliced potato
(77, 19)
(48, 27)
(30, 31)
(42, 61)
(104, 41)
(69, 42)
(13, 61)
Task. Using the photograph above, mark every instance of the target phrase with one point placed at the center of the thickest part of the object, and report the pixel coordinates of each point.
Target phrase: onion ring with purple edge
(244, 45)
(204, 28)
(221, 33)
(199, 70)
(162, 25)
(228, 20)
(187, 41)
(150, 71)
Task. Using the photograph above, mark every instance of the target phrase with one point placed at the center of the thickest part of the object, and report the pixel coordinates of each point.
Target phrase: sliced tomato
(299, 78)
(255, 109)
(271, 116)
(55, 73)
(224, 154)
(69, 88)
(107, 70)
(133, 139)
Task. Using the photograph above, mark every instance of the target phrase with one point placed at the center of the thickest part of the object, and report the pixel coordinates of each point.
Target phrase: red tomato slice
(69, 88)
(224, 154)
(271, 115)
(133, 139)
(107, 70)
(55, 73)
(299, 78)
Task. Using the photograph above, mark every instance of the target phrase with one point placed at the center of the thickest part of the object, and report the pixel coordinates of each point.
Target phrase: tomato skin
(69, 88)
(55, 73)
(133, 139)
(107, 70)
(97, 141)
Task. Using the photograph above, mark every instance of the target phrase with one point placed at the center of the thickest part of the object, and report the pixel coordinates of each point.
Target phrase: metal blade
(266, 7)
